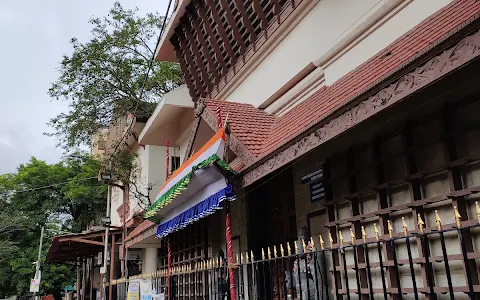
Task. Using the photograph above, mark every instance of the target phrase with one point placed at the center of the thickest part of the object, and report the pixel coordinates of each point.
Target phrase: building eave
(164, 51)
(169, 108)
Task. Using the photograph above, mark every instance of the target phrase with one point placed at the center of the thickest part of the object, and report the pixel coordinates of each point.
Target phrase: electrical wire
(55, 184)
(142, 91)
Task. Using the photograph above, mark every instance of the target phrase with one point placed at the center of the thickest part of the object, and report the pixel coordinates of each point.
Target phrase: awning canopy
(69, 247)
(194, 190)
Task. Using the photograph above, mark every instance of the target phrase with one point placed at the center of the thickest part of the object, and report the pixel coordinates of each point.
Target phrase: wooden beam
(257, 7)
(277, 9)
(388, 251)
(194, 24)
(416, 195)
(247, 22)
(214, 42)
(233, 26)
(207, 83)
(455, 182)
(188, 78)
(81, 240)
(223, 34)
(191, 66)
(112, 268)
(356, 225)
(92, 275)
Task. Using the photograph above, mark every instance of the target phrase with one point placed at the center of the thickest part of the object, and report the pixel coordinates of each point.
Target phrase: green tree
(24, 209)
(103, 78)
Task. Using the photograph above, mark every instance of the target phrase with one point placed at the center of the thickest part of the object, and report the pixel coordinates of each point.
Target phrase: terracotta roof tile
(248, 124)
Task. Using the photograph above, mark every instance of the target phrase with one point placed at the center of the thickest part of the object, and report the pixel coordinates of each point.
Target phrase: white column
(149, 263)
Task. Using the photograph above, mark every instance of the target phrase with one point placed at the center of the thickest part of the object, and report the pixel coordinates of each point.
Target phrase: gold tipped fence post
(404, 225)
(380, 259)
(438, 220)
(377, 233)
(364, 234)
(458, 217)
(421, 224)
(390, 229)
(477, 208)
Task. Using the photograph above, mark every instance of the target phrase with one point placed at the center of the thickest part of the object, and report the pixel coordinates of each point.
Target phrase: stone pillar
(149, 263)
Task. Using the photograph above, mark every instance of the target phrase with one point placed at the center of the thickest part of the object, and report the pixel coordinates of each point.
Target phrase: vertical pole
(124, 233)
(37, 271)
(167, 163)
(169, 270)
(84, 276)
(78, 278)
(105, 250)
(37, 265)
(112, 267)
(91, 277)
(231, 261)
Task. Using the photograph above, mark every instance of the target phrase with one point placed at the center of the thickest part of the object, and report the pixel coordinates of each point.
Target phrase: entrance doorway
(271, 222)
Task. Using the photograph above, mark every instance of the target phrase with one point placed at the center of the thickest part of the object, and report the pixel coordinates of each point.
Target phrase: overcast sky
(35, 34)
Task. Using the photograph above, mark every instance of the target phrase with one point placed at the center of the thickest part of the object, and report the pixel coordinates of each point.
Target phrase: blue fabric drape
(200, 210)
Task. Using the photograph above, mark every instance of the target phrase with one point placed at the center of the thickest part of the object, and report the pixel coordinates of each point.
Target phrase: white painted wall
(182, 141)
(156, 168)
(319, 32)
(308, 41)
(150, 258)
(117, 200)
(152, 164)
(406, 19)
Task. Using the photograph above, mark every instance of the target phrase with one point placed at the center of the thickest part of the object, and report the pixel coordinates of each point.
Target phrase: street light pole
(105, 250)
(37, 267)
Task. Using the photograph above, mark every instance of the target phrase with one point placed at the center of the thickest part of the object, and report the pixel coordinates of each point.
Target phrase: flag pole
(228, 217)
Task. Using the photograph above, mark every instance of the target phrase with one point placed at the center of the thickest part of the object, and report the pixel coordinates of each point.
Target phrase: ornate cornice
(464, 51)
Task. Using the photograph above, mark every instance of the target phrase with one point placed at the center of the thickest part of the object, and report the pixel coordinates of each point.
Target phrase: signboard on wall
(316, 185)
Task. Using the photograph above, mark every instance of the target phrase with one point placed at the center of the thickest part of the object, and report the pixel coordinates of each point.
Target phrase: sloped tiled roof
(263, 134)
(248, 124)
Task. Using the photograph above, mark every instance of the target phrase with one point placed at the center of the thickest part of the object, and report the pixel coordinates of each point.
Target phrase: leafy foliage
(103, 77)
(127, 172)
(24, 210)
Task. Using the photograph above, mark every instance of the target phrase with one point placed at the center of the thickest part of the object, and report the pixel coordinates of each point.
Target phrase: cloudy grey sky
(35, 34)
